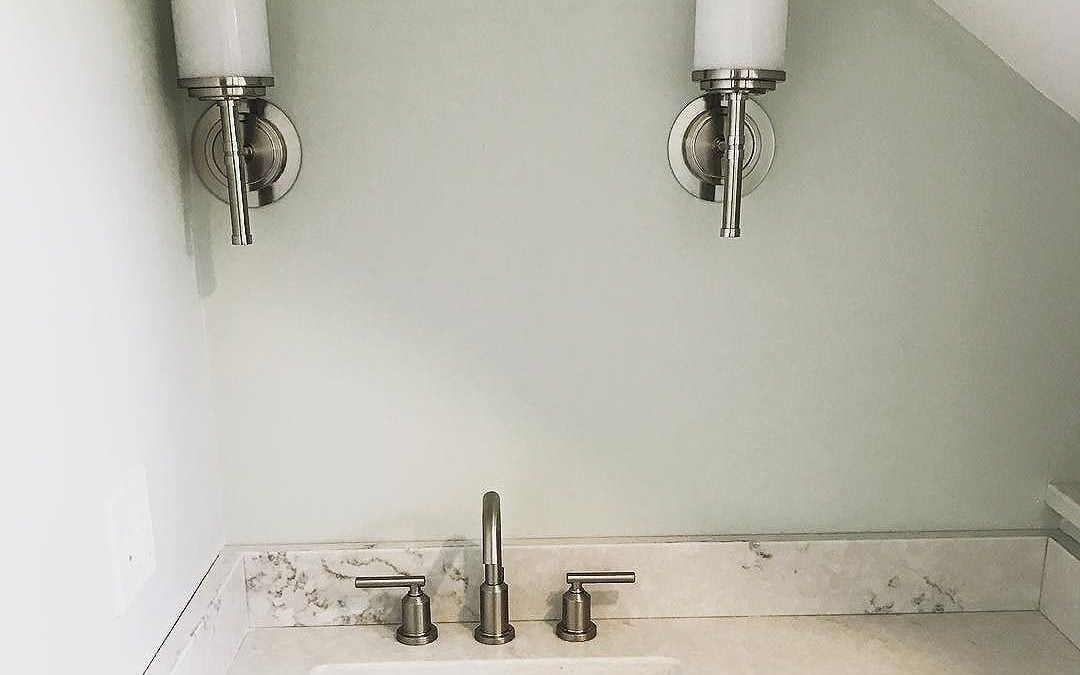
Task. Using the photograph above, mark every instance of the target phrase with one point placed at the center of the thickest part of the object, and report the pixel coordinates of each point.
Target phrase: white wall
(1036, 37)
(487, 278)
(104, 355)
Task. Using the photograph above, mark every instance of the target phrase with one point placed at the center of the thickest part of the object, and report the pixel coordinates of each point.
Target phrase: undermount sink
(589, 666)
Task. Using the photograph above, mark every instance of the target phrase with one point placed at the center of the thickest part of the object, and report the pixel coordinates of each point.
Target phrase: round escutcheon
(696, 147)
(271, 145)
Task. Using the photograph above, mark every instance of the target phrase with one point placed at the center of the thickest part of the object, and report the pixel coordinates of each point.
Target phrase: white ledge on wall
(1064, 499)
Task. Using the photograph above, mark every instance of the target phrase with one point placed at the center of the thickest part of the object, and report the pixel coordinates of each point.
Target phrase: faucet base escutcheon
(485, 639)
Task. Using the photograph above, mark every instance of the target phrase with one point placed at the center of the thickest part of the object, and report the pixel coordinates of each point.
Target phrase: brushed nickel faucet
(577, 624)
(416, 628)
(494, 628)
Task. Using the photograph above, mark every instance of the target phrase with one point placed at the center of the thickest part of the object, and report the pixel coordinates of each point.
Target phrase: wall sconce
(246, 150)
(722, 144)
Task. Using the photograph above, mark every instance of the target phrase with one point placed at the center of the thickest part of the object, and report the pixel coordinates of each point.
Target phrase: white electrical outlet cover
(131, 534)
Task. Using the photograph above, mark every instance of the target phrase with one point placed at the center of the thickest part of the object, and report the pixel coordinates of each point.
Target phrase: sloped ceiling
(1040, 39)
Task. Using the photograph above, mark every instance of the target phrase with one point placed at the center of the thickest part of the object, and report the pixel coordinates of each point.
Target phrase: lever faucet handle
(577, 624)
(578, 578)
(416, 627)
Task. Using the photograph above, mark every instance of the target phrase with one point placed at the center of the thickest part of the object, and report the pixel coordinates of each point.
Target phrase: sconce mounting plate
(271, 145)
(696, 147)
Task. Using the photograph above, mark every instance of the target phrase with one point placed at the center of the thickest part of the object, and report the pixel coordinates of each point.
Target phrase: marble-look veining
(1017, 643)
(1061, 587)
(888, 575)
(314, 588)
(208, 634)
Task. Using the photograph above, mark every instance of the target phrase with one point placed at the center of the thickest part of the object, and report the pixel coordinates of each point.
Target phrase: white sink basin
(592, 666)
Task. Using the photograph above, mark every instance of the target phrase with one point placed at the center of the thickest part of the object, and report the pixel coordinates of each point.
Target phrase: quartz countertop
(994, 642)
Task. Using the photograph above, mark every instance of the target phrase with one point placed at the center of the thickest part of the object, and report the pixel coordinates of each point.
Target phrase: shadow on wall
(199, 215)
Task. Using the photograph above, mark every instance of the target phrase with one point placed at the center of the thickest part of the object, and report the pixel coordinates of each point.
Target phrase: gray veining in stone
(314, 588)
(209, 632)
(891, 575)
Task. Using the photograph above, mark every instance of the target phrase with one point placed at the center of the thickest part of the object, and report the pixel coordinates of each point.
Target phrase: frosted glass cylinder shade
(740, 34)
(217, 38)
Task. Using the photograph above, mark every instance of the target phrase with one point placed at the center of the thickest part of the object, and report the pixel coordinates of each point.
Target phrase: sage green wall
(487, 278)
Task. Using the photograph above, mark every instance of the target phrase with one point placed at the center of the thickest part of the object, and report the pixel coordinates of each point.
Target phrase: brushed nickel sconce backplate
(272, 151)
(696, 147)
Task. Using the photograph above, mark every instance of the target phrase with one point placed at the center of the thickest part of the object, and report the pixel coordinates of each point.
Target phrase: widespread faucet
(494, 628)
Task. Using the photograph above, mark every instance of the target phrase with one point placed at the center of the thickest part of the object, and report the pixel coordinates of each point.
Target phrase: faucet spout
(492, 532)
(494, 628)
